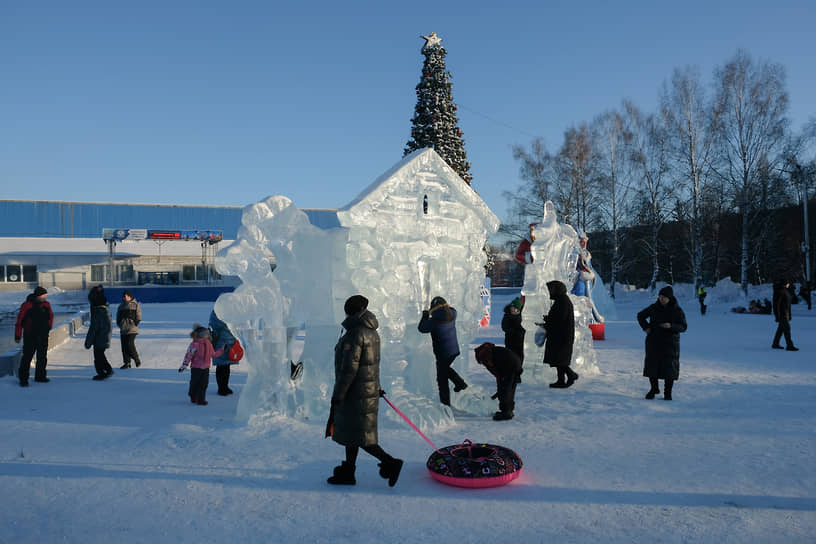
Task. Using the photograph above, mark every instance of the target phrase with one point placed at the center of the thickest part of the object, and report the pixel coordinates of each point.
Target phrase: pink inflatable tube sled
(474, 465)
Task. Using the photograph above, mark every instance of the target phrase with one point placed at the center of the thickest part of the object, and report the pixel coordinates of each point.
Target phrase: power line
(496, 121)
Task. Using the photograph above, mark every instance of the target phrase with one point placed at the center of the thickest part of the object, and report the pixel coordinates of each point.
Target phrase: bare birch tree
(575, 189)
(689, 122)
(751, 103)
(527, 201)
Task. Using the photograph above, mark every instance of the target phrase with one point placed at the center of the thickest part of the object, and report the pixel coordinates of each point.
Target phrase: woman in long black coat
(356, 394)
(663, 322)
(560, 326)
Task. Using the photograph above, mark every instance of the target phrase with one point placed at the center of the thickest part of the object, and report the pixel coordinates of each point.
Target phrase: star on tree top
(431, 40)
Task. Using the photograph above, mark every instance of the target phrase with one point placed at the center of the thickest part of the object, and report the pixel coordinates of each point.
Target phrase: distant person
(662, 321)
(513, 330)
(560, 326)
(524, 253)
(222, 339)
(199, 358)
(356, 394)
(128, 317)
(440, 321)
(701, 295)
(505, 366)
(34, 322)
(99, 332)
(585, 275)
(782, 314)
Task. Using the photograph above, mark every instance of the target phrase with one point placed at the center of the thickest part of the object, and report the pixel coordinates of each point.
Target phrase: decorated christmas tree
(434, 123)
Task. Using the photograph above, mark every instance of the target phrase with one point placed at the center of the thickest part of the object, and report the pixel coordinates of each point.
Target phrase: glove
(382, 392)
(425, 314)
(181, 369)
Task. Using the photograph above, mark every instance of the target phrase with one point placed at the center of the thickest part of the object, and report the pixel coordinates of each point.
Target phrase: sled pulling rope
(408, 421)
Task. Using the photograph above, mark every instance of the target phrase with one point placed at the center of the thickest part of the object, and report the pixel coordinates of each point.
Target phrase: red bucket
(598, 330)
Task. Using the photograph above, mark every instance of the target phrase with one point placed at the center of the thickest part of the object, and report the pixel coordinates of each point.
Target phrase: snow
(131, 460)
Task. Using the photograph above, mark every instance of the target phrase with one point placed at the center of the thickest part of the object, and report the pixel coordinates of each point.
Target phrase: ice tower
(554, 253)
(416, 232)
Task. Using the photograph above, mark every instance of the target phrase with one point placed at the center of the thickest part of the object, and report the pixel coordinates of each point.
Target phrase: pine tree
(434, 123)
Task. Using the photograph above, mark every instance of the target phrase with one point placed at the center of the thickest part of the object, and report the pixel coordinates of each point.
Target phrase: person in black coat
(440, 321)
(560, 326)
(99, 332)
(356, 394)
(505, 365)
(782, 314)
(663, 321)
(513, 331)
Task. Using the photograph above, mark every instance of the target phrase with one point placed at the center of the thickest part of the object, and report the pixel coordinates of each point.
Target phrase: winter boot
(503, 416)
(460, 387)
(390, 470)
(343, 475)
(667, 389)
(791, 348)
(655, 390)
(572, 377)
(124, 366)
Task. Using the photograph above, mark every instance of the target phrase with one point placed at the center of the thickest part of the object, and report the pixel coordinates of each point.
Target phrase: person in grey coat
(662, 321)
(99, 332)
(560, 326)
(356, 395)
(128, 317)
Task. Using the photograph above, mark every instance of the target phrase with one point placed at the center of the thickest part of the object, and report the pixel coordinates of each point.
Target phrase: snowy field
(129, 460)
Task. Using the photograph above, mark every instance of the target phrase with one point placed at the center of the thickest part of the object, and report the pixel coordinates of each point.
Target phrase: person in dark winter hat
(34, 321)
(782, 314)
(440, 322)
(99, 332)
(356, 395)
(506, 367)
(513, 330)
(560, 326)
(128, 317)
(662, 321)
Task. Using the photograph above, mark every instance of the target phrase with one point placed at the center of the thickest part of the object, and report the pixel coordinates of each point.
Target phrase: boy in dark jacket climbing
(440, 321)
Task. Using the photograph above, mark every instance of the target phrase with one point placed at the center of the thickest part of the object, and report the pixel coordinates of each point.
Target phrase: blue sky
(225, 103)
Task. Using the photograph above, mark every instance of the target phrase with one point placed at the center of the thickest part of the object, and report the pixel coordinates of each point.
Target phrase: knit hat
(483, 350)
(667, 292)
(517, 303)
(39, 290)
(355, 304)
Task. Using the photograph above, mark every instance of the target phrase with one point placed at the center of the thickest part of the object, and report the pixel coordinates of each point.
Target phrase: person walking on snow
(99, 332)
(356, 395)
(440, 322)
(128, 317)
(34, 321)
(782, 315)
(662, 321)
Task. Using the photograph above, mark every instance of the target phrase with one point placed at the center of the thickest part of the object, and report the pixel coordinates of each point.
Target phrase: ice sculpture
(416, 232)
(554, 257)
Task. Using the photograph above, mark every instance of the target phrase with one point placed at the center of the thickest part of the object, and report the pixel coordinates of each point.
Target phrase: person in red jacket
(34, 321)
(523, 253)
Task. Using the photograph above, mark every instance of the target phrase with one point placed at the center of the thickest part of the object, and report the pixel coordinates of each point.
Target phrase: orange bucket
(598, 330)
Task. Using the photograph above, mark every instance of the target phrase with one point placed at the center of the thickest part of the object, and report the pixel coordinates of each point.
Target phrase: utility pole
(803, 183)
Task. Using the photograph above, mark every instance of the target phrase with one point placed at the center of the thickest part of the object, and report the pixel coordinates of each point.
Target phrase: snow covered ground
(731, 459)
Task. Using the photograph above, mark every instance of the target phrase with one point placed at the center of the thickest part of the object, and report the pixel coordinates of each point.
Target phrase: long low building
(72, 245)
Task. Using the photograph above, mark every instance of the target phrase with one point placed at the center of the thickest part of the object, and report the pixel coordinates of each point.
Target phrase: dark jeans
(101, 363)
(783, 328)
(375, 451)
(222, 375)
(507, 393)
(199, 380)
(33, 343)
(129, 349)
(444, 372)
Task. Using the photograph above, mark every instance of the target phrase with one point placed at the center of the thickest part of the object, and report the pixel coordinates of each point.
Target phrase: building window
(13, 273)
(188, 272)
(97, 273)
(126, 272)
(30, 273)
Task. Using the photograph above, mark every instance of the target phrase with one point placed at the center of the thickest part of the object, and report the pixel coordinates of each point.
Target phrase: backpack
(236, 352)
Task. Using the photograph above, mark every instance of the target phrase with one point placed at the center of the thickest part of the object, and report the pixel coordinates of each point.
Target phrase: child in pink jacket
(199, 357)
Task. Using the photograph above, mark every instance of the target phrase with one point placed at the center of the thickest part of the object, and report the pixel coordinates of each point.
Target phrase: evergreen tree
(434, 123)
